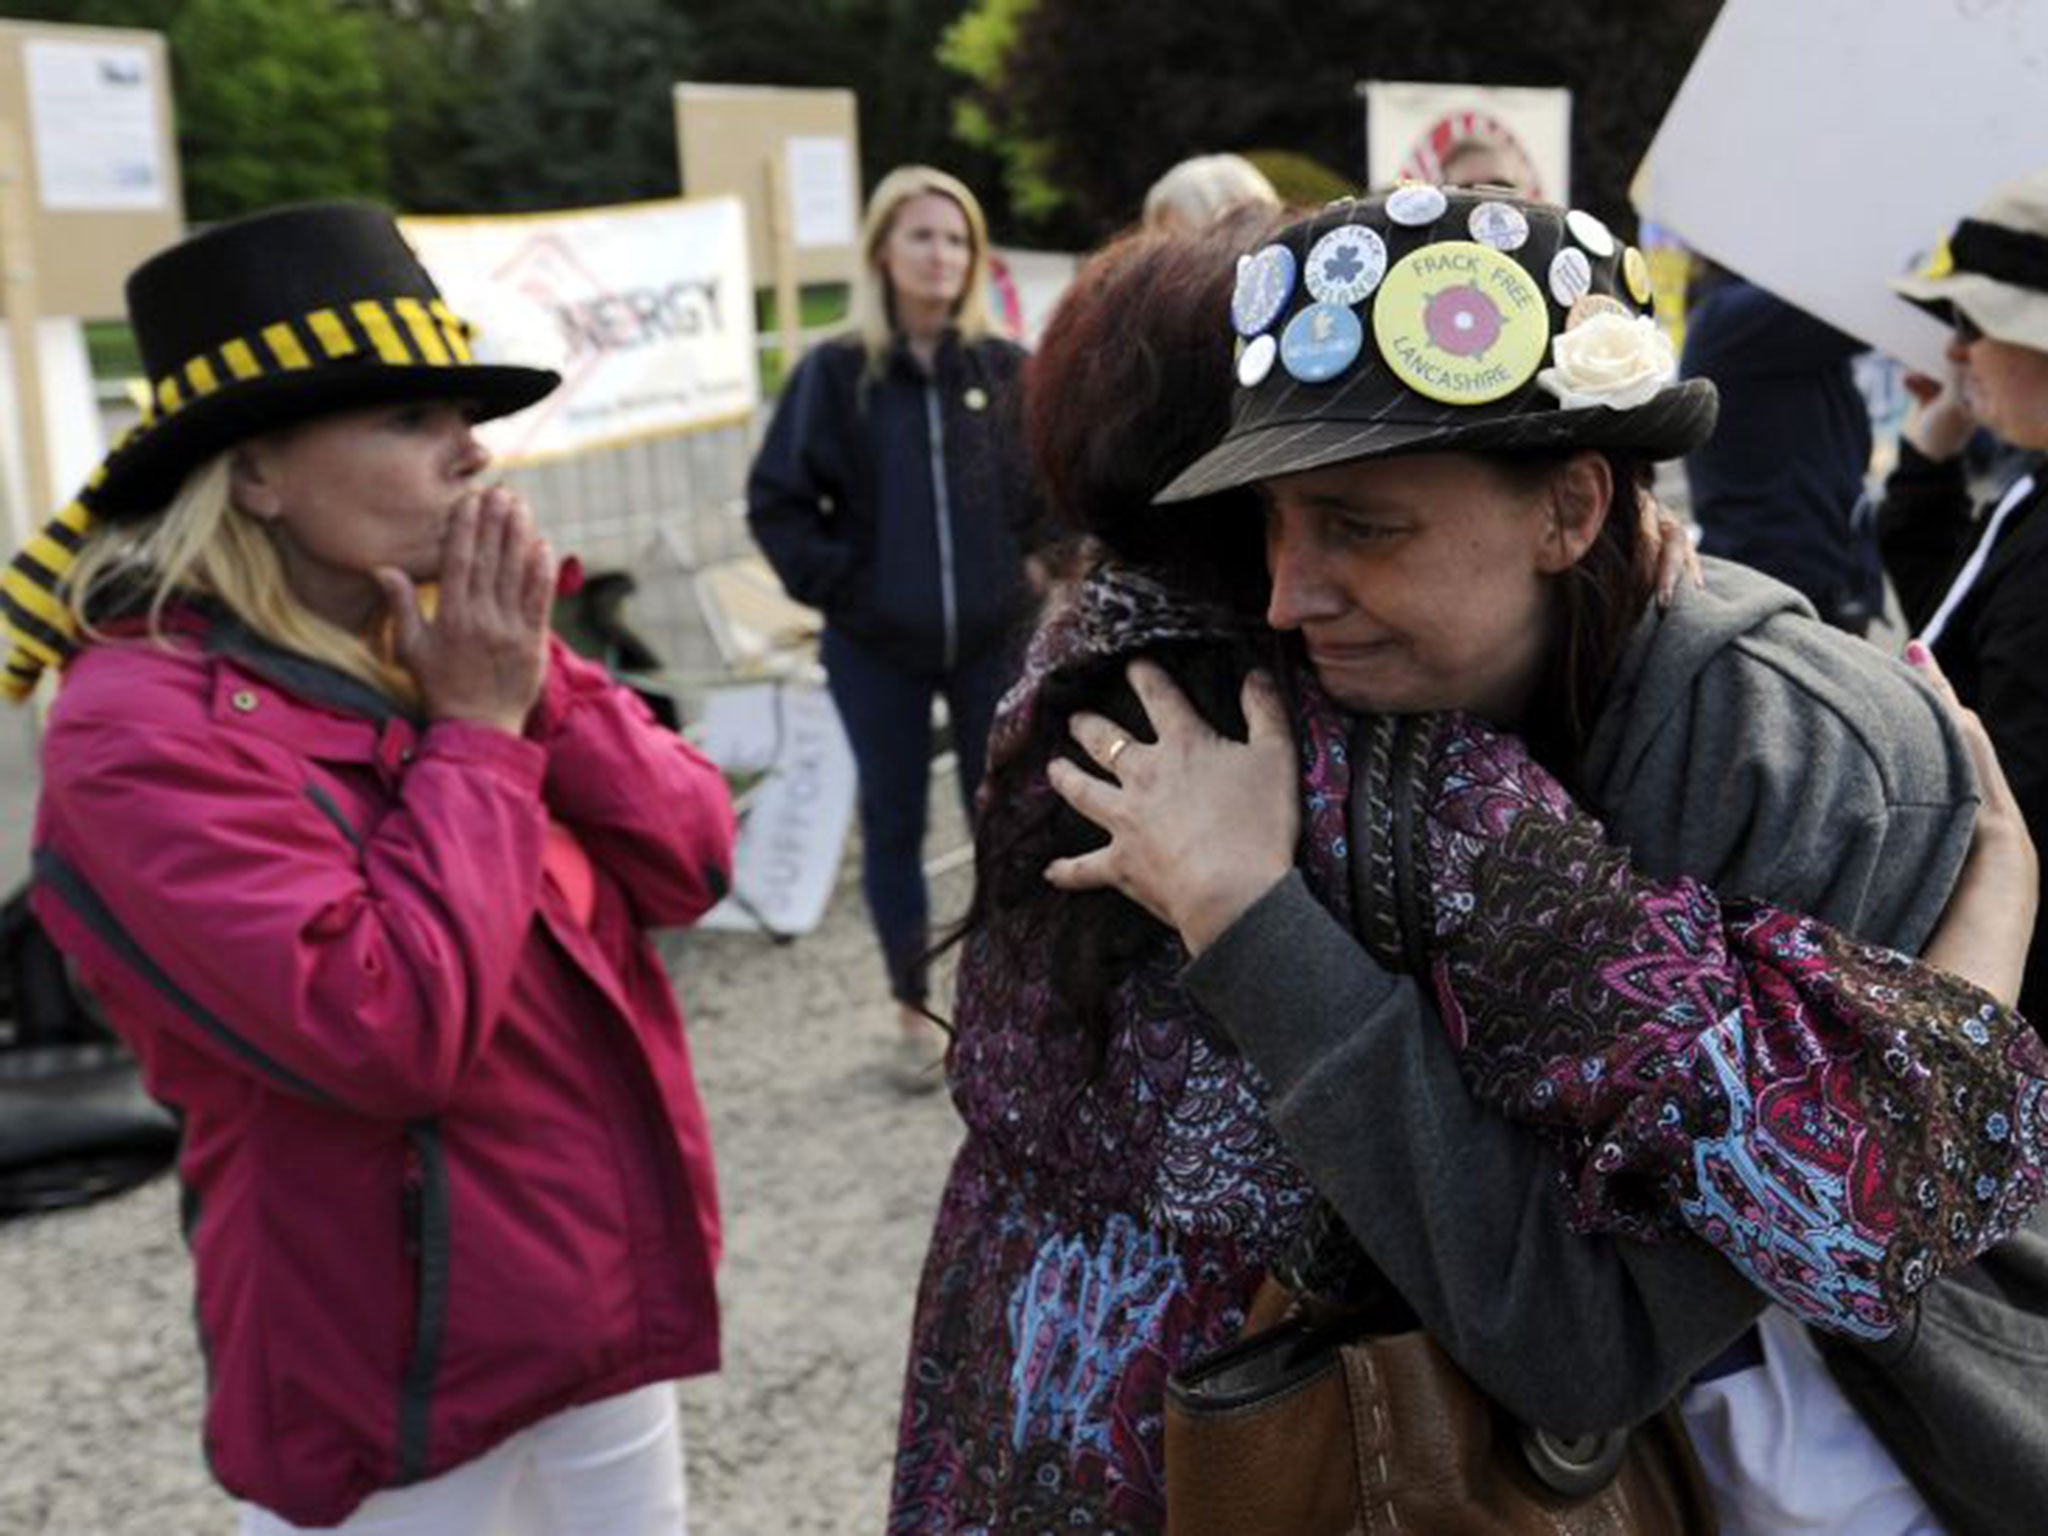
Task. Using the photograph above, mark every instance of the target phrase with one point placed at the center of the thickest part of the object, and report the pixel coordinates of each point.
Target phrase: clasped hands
(482, 657)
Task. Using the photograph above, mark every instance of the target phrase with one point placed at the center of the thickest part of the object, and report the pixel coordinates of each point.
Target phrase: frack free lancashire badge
(1461, 323)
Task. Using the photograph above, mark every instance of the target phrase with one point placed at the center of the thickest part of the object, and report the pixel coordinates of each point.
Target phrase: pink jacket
(445, 1164)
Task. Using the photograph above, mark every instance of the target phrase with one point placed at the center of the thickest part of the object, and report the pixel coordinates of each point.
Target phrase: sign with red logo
(646, 310)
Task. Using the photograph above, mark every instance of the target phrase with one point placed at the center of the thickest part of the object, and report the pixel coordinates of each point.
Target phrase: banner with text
(646, 310)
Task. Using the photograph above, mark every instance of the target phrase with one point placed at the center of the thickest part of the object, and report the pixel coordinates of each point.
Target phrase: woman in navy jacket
(891, 492)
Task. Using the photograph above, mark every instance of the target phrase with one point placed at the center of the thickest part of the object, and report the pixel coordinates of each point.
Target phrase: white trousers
(610, 1468)
(1785, 1455)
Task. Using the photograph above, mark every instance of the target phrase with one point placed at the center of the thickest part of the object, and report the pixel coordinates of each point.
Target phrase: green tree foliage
(439, 59)
(883, 50)
(276, 99)
(582, 112)
(1087, 103)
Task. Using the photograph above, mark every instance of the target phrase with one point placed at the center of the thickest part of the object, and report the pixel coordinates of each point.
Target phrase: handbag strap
(1389, 764)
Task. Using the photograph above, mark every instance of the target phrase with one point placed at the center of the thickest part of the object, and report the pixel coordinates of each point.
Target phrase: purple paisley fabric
(1841, 1123)
(1101, 1226)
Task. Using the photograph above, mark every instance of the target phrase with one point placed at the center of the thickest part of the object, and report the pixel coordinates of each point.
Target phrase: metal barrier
(663, 511)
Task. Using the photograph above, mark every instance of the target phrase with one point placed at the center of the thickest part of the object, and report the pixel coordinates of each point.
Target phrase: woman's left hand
(1988, 925)
(1677, 556)
(1200, 826)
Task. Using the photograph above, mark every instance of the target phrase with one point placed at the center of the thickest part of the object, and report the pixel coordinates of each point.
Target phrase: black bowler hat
(282, 316)
(1431, 319)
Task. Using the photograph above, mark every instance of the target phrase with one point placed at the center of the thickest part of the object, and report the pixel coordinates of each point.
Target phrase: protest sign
(794, 830)
(1822, 148)
(647, 310)
(1411, 128)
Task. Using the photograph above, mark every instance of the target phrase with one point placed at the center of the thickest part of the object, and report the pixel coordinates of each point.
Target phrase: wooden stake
(782, 240)
(18, 294)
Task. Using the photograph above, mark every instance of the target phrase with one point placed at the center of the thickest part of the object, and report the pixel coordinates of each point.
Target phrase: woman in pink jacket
(365, 882)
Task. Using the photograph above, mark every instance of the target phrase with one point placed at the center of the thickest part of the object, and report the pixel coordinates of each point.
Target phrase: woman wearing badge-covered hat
(364, 881)
(1447, 404)
(1121, 1191)
(1973, 586)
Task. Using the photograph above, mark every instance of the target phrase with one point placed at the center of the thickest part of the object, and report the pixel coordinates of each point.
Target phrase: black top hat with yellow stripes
(278, 317)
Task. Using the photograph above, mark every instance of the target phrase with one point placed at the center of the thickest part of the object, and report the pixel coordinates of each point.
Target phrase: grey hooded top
(1743, 743)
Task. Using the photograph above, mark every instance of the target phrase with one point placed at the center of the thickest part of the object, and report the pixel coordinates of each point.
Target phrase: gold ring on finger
(1116, 749)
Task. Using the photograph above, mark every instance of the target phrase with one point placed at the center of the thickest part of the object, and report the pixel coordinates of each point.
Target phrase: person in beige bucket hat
(1969, 578)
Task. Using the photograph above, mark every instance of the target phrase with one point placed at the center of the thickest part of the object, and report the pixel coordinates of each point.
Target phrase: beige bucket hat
(1993, 267)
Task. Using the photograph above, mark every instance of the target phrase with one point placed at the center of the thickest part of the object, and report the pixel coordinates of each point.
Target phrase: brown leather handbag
(1315, 1428)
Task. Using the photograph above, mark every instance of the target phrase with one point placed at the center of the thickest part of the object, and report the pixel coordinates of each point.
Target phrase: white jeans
(610, 1468)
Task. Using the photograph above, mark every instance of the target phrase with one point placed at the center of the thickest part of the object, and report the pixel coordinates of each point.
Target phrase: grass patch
(111, 347)
(826, 304)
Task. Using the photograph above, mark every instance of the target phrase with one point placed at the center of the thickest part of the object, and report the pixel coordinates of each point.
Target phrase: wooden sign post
(89, 186)
(793, 157)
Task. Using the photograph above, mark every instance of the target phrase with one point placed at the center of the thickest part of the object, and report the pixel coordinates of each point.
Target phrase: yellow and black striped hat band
(400, 332)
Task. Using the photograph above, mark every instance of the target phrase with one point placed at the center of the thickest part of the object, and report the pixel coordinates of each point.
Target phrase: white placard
(819, 172)
(794, 832)
(647, 311)
(1410, 126)
(92, 112)
(1822, 147)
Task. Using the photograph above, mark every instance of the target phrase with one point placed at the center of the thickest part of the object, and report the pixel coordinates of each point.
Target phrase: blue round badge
(1265, 282)
(1321, 342)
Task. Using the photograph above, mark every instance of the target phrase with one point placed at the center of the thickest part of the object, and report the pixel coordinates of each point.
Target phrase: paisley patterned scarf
(1840, 1121)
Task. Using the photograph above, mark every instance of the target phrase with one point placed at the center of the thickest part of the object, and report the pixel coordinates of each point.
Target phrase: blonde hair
(202, 543)
(1198, 191)
(874, 308)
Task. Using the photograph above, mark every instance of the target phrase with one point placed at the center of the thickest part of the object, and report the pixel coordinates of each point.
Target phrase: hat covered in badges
(278, 317)
(1431, 318)
(1993, 267)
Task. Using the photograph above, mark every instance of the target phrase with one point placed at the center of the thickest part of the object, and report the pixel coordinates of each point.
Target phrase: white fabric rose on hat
(1616, 360)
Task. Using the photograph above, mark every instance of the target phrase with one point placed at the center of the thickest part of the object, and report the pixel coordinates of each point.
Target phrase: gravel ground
(829, 1180)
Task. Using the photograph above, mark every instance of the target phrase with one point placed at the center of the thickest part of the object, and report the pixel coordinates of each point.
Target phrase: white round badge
(1346, 265)
(1265, 282)
(1571, 276)
(1590, 232)
(1499, 225)
(1416, 205)
(1256, 360)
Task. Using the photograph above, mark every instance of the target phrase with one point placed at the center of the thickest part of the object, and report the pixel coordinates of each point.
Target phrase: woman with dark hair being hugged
(365, 881)
(891, 493)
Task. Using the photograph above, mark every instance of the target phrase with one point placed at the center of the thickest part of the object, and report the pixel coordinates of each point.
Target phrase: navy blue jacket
(901, 505)
(1778, 485)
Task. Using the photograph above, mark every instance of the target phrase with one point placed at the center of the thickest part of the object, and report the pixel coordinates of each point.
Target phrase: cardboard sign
(1411, 128)
(792, 155)
(93, 109)
(646, 310)
(1822, 148)
(794, 830)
